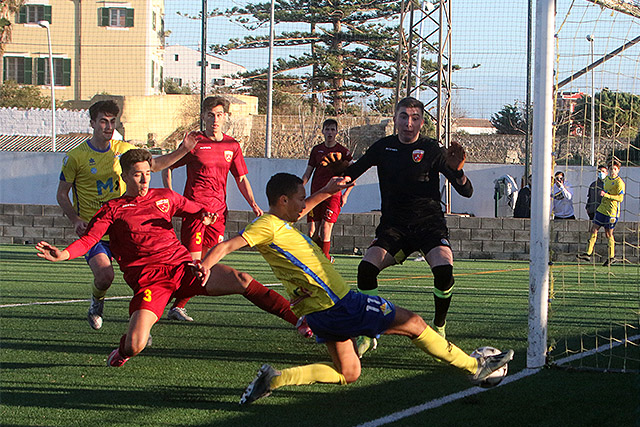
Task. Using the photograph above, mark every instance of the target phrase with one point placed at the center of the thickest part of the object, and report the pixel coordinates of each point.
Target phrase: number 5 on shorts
(198, 238)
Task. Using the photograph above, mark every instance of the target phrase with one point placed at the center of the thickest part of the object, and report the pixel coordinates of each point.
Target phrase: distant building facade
(473, 126)
(97, 47)
(183, 66)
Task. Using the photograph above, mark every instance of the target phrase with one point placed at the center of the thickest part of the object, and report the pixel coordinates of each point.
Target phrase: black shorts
(402, 240)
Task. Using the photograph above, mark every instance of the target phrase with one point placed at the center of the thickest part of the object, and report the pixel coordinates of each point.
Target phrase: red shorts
(326, 211)
(194, 234)
(154, 286)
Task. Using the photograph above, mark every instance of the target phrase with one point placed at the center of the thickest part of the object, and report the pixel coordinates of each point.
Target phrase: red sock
(270, 301)
(180, 302)
(121, 346)
(325, 249)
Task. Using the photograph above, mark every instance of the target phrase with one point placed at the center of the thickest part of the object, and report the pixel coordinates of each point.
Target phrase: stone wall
(471, 237)
(37, 121)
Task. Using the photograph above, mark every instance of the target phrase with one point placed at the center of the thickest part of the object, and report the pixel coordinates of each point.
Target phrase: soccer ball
(496, 376)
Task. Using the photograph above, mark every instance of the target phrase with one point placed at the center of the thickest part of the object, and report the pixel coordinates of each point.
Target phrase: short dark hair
(600, 166)
(614, 162)
(410, 102)
(559, 173)
(329, 122)
(282, 184)
(131, 157)
(105, 107)
(213, 101)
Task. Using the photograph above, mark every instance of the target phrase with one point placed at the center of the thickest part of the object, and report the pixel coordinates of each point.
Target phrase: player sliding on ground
(155, 265)
(334, 312)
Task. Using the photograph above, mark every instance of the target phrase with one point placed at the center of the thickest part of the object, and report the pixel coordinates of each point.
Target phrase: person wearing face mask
(593, 195)
(562, 198)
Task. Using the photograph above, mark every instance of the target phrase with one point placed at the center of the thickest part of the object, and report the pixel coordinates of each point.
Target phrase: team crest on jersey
(163, 205)
(417, 155)
(228, 155)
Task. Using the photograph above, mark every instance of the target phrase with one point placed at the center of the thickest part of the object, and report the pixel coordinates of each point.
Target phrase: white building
(182, 65)
(472, 126)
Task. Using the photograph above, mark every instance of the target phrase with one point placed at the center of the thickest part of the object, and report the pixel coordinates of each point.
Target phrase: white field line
(475, 390)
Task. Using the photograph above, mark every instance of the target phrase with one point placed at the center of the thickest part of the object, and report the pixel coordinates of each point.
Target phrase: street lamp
(45, 24)
(593, 104)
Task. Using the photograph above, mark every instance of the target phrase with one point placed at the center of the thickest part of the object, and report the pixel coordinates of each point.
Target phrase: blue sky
(493, 34)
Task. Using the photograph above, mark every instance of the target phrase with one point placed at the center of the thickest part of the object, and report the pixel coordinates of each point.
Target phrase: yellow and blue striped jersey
(307, 275)
(95, 175)
(610, 204)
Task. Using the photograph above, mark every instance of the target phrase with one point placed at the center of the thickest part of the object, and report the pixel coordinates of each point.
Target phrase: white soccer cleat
(94, 316)
(179, 313)
(492, 366)
(260, 386)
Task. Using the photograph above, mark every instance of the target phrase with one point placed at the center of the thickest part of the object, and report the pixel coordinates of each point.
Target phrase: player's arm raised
(335, 184)
(162, 162)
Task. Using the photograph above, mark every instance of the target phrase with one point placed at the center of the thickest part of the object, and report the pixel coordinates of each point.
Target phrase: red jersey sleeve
(238, 165)
(97, 228)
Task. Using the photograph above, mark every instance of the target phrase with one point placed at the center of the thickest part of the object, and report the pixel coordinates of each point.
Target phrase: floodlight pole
(45, 25)
(267, 142)
(541, 201)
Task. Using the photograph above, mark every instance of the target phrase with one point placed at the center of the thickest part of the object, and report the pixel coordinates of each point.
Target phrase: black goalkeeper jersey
(408, 176)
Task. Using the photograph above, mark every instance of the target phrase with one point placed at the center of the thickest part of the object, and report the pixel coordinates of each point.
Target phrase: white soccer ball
(496, 376)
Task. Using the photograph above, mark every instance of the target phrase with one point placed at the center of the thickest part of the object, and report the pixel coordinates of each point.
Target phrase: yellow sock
(309, 374)
(592, 243)
(612, 246)
(431, 342)
(98, 293)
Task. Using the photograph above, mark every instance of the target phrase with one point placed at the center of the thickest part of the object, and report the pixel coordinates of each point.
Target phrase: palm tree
(7, 8)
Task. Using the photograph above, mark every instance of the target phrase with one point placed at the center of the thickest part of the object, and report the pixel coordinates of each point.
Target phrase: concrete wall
(471, 238)
(37, 121)
(32, 178)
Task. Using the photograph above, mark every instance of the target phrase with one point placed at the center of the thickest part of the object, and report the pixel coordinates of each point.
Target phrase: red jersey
(208, 165)
(140, 229)
(322, 174)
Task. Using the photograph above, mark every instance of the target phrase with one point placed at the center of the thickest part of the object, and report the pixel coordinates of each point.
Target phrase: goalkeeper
(409, 167)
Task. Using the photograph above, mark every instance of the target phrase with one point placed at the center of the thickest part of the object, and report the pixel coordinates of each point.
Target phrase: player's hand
(189, 141)
(200, 271)
(456, 156)
(335, 163)
(602, 193)
(337, 183)
(49, 252)
(256, 209)
(80, 226)
(209, 218)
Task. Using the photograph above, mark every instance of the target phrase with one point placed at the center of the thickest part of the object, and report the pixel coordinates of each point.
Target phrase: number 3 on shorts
(198, 238)
(147, 295)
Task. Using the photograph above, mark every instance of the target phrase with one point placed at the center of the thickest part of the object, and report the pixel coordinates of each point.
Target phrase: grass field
(54, 373)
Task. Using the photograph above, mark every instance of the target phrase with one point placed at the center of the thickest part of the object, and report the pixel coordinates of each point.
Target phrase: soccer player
(593, 195)
(335, 313)
(409, 168)
(562, 196)
(607, 213)
(93, 172)
(322, 218)
(208, 164)
(155, 264)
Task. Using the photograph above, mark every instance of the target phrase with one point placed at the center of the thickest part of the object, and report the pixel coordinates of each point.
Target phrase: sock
(432, 343)
(181, 303)
(368, 278)
(121, 350)
(309, 374)
(270, 301)
(611, 243)
(325, 249)
(442, 289)
(98, 293)
(592, 243)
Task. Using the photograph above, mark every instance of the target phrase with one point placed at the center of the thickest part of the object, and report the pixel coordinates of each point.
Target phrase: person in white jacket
(562, 198)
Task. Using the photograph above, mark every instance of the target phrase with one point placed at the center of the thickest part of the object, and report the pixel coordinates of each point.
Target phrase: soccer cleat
(303, 328)
(419, 258)
(260, 386)
(441, 330)
(179, 313)
(488, 364)
(584, 257)
(149, 341)
(94, 316)
(115, 360)
(332, 259)
(609, 261)
(364, 344)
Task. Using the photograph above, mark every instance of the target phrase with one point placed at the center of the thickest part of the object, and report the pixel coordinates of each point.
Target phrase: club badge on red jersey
(228, 155)
(163, 205)
(417, 155)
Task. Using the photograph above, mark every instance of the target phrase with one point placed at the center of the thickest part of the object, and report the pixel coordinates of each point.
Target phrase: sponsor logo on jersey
(92, 161)
(390, 149)
(228, 155)
(417, 155)
(128, 205)
(163, 205)
(204, 147)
